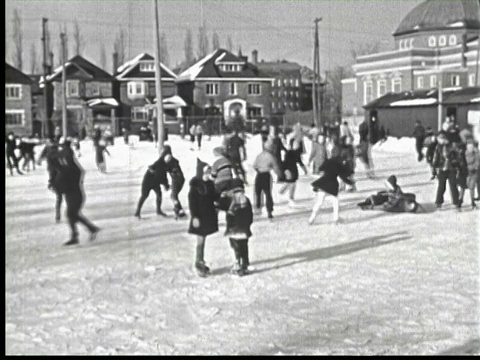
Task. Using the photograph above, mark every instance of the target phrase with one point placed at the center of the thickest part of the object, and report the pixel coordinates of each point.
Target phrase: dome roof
(435, 15)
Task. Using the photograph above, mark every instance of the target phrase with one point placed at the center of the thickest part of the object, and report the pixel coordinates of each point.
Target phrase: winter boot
(201, 269)
(177, 208)
(72, 241)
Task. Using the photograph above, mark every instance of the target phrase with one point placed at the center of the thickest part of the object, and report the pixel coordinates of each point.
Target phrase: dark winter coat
(419, 132)
(66, 175)
(11, 146)
(175, 171)
(99, 154)
(239, 220)
(332, 168)
(201, 199)
(157, 173)
(292, 158)
(347, 156)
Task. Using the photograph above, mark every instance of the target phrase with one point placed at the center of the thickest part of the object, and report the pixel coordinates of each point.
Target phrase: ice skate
(237, 270)
(160, 212)
(71, 242)
(94, 233)
(201, 269)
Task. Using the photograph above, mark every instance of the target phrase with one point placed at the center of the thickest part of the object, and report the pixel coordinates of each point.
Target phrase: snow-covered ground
(379, 283)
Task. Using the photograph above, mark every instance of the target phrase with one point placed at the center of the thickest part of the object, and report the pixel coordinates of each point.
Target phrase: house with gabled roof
(224, 83)
(90, 97)
(136, 80)
(18, 102)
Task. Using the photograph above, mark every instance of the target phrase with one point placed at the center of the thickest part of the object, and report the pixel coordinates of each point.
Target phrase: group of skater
(20, 152)
(453, 156)
(219, 187)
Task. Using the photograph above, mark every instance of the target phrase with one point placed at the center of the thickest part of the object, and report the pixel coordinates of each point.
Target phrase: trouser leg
(200, 249)
(320, 196)
(58, 205)
(158, 193)
(258, 191)
(442, 180)
(267, 188)
(452, 183)
(336, 207)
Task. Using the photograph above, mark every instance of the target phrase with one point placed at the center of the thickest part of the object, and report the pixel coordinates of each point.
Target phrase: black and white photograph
(233, 177)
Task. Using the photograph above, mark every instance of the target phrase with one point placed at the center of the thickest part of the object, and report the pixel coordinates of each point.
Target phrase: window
(455, 80)
(432, 41)
(381, 87)
(230, 67)
(442, 40)
(273, 83)
(368, 92)
(291, 94)
(433, 81)
(297, 94)
(273, 93)
(279, 82)
(291, 105)
(285, 82)
(211, 89)
(147, 67)
(292, 82)
(135, 88)
(452, 40)
(254, 89)
(273, 105)
(401, 45)
(139, 114)
(73, 88)
(297, 82)
(411, 44)
(13, 91)
(396, 85)
(420, 82)
(14, 117)
(471, 80)
(95, 89)
(233, 89)
(285, 93)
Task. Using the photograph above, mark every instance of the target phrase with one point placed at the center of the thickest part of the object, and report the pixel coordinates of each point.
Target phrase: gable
(15, 76)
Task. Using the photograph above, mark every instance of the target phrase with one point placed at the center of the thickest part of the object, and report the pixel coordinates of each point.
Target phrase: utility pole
(45, 73)
(477, 83)
(158, 83)
(440, 99)
(316, 77)
(64, 88)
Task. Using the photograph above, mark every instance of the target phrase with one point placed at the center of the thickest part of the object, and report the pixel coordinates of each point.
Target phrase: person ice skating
(235, 151)
(327, 185)
(345, 133)
(263, 164)
(12, 159)
(318, 153)
(277, 147)
(66, 177)
(461, 170)
(222, 174)
(290, 171)
(176, 174)
(369, 136)
(191, 131)
(430, 143)
(239, 221)
(203, 213)
(199, 134)
(155, 176)
(50, 153)
(347, 157)
(297, 136)
(419, 135)
(472, 158)
(264, 131)
(100, 151)
(125, 135)
(445, 161)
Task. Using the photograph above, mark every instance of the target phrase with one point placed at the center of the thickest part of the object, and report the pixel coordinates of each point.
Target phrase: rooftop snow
(193, 71)
(414, 102)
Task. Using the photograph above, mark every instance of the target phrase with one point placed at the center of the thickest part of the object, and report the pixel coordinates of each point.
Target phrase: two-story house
(18, 102)
(138, 95)
(90, 97)
(226, 83)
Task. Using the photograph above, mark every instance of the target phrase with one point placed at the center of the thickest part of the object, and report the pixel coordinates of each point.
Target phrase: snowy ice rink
(380, 283)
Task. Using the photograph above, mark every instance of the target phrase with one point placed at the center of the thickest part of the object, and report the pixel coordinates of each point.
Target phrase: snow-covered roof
(104, 101)
(174, 100)
(414, 102)
(475, 100)
(130, 62)
(58, 71)
(124, 71)
(192, 72)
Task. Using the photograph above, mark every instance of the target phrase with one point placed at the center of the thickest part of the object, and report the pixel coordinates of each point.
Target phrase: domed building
(436, 45)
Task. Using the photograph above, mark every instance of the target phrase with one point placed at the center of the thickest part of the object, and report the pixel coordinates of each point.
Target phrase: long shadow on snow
(329, 252)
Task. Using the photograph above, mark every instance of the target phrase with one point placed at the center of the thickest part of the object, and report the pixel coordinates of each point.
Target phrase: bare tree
(78, 43)
(215, 41)
(188, 47)
(33, 59)
(17, 40)
(333, 90)
(103, 56)
(202, 42)
(120, 45)
(59, 56)
(164, 58)
(229, 44)
(364, 49)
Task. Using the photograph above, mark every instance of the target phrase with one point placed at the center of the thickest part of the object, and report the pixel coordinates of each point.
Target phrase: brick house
(136, 80)
(90, 94)
(222, 83)
(436, 44)
(18, 102)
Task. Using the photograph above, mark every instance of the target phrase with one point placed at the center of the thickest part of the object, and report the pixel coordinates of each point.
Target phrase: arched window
(411, 43)
(442, 40)
(400, 45)
(432, 41)
(452, 40)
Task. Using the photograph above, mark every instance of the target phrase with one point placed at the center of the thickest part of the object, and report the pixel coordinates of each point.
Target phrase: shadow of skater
(329, 252)
(471, 347)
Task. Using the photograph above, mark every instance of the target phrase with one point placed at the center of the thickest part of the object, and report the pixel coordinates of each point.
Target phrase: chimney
(115, 62)
(51, 63)
(254, 57)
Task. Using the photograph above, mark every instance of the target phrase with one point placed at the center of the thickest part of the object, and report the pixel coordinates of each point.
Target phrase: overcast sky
(277, 29)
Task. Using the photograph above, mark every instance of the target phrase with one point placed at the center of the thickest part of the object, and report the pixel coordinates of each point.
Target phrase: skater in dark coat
(327, 185)
(155, 176)
(419, 135)
(67, 178)
(12, 159)
(203, 214)
(50, 153)
(176, 174)
(290, 170)
(100, 151)
(239, 219)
